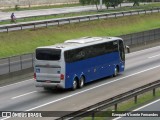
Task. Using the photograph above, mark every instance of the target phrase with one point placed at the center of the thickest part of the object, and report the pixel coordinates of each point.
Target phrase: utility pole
(100, 4)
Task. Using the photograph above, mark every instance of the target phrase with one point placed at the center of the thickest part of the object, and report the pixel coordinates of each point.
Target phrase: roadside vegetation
(119, 9)
(128, 105)
(25, 41)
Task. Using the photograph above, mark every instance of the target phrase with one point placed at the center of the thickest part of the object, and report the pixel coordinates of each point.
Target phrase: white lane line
(15, 83)
(23, 95)
(141, 107)
(145, 50)
(63, 98)
(154, 56)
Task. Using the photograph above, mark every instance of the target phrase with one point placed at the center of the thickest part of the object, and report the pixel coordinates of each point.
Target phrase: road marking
(23, 95)
(63, 98)
(141, 107)
(16, 83)
(145, 50)
(154, 56)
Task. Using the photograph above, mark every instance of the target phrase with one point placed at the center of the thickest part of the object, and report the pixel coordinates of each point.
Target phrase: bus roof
(81, 42)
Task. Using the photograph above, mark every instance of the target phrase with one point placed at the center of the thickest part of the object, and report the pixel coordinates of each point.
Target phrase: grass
(147, 6)
(25, 41)
(128, 105)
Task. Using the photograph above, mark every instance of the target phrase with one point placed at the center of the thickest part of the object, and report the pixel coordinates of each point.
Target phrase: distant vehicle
(75, 62)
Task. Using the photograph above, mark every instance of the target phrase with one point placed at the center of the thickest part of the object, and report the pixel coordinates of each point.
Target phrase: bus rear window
(48, 54)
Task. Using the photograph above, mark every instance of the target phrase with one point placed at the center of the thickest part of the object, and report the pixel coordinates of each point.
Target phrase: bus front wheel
(115, 71)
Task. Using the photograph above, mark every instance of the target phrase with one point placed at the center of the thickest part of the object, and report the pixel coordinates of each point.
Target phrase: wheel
(75, 84)
(81, 82)
(115, 71)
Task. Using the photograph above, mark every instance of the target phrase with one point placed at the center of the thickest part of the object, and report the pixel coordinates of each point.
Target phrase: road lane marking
(141, 107)
(65, 97)
(154, 56)
(16, 83)
(23, 95)
(142, 51)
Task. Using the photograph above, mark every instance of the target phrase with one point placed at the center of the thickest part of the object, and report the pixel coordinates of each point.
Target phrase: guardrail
(68, 20)
(114, 101)
(16, 63)
(20, 62)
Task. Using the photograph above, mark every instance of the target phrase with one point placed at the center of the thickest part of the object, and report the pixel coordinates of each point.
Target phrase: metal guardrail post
(135, 99)
(21, 61)
(79, 20)
(115, 15)
(69, 21)
(32, 60)
(154, 92)
(34, 26)
(7, 29)
(46, 24)
(9, 63)
(115, 107)
(21, 27)
(93, 116)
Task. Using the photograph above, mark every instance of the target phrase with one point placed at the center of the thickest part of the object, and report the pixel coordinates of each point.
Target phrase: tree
(112, 3)
(90, 2)
(135, 2)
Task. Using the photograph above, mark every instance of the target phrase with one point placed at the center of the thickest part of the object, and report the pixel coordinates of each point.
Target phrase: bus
(75, 62)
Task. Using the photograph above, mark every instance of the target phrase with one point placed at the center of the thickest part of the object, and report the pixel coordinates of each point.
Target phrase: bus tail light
(62, 77)
(34, 76)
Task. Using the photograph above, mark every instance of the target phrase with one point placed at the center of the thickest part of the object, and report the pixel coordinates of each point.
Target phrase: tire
(75, 84)
(81, 82)
(115, 71)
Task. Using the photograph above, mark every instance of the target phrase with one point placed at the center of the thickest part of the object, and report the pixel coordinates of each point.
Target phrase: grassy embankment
(142, 6)
(25, 41)
(127, 105)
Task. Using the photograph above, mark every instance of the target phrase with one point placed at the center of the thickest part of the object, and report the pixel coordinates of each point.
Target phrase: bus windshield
(48, 54)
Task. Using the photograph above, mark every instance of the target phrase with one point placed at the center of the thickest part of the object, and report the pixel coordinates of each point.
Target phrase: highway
(142, 67)
(68, 20)
(65, 10)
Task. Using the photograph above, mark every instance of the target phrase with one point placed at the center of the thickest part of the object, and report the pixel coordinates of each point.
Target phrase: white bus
(75, 62)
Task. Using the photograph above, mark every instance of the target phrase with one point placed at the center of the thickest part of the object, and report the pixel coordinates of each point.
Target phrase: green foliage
(90, 2)
(16, 7)
(25, 41)
(108, 3)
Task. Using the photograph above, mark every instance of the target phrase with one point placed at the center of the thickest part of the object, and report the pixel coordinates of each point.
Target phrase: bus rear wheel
(75, 84)
(81, 82)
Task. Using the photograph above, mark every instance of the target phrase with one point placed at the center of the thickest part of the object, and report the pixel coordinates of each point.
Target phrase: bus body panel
(48, 74)
(93, 68)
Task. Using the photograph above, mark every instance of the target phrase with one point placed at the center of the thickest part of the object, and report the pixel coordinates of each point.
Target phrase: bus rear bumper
(49, 85)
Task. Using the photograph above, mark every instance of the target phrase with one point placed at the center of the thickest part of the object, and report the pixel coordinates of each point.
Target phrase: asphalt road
(28, 13)
(141, 68)
(66, 20)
